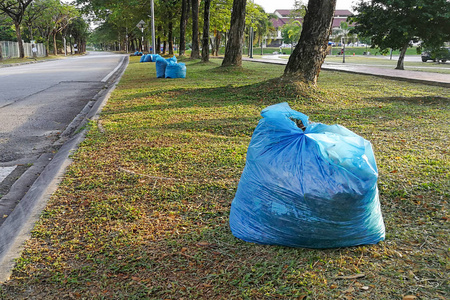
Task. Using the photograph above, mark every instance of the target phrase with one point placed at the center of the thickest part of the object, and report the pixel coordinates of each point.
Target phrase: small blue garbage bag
(175, 70)
(314, 187)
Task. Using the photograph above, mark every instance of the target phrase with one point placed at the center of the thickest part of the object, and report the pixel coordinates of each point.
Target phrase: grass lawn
(142, 213)
(8, 61)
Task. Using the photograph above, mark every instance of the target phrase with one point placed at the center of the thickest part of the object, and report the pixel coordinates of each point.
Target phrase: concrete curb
(16, 229)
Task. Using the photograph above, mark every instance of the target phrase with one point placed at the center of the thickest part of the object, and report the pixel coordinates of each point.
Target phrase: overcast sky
(270, 5)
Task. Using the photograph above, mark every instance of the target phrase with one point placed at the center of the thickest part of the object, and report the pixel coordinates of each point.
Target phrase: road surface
(38, 105)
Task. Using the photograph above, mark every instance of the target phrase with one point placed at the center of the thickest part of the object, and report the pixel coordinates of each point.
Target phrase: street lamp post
(343, 50)
(153, 26)
(251, 42)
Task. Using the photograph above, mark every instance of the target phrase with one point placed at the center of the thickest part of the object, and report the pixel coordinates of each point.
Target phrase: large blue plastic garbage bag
(142, 58)
(315, 188)
(161, 64)
(154, 57)
(172, 59)
(175, 70)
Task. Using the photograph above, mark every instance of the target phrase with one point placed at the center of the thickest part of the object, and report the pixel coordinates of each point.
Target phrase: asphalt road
(40, 108)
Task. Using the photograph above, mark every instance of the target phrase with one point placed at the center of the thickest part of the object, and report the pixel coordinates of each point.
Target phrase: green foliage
(344, 32)
(7, 33)
(290, 32)
(396, 23)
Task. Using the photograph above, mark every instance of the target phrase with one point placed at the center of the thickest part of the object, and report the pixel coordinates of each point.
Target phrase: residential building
(284, 16)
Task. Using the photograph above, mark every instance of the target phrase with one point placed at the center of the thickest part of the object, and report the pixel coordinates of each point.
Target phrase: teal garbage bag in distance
(314, 187)
(175, 70)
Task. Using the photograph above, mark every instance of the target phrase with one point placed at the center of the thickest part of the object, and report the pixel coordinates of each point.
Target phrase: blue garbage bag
(142, 58)
(136, 53)
(161, 64)
(314, 187)
(147, 58)
(175, 70)
(172, 59)
(154, 57)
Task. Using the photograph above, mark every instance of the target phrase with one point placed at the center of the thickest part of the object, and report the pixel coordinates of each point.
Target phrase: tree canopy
(396, 24)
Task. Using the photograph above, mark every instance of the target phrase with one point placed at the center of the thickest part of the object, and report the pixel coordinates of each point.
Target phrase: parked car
(442, 55)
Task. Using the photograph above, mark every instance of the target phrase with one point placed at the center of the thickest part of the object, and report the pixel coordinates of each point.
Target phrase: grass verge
(142, 212)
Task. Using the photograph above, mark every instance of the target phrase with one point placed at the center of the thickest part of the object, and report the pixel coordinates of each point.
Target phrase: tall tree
(195, 53)
(264, 28)
(183, 24)
(305, 62)
(343, 35)
(205, 38)
(219, 21)
(290, 32)
(395, 24)
(61, 18)
(32, 14)
(15, 9)
(233, 50)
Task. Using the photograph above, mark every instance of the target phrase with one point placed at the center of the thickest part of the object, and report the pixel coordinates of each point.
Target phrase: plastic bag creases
(313, 187)
(161, 64)
(175, 70)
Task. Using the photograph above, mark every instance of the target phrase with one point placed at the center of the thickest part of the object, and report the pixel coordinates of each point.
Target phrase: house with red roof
(284, 16)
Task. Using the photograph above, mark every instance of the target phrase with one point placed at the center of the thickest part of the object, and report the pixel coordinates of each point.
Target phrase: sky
(270, 5)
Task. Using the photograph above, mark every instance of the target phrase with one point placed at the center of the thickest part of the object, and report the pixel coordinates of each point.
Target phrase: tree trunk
(233, 50)
(183, 24)
(217, 44)
(401, 58)
(305, 62)
(1, 52)
(19, 40)
(195, 53)
(170, 38)
(158, 41)
(47, 45)
(55, 47)
(205, 39)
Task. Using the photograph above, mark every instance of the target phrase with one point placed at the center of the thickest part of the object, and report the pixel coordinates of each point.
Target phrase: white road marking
(105, 79)
(5, 171)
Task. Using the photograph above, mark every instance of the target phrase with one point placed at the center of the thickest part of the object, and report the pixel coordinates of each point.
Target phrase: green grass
(8, 61)
(142, 212)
